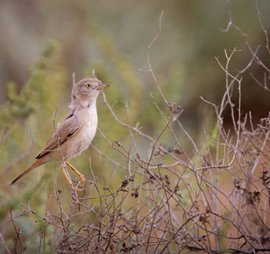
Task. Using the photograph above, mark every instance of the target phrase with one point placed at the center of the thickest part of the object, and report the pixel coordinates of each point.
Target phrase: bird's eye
(88, 85)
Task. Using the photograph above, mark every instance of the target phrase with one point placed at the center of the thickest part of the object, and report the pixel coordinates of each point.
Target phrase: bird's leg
(67, 176)
(69, 180)
(76, 171)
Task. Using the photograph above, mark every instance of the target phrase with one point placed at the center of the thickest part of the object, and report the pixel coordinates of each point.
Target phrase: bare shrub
(214, 199)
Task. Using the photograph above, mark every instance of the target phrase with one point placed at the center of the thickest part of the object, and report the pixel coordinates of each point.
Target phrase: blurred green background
(43, 42)
(112, 36)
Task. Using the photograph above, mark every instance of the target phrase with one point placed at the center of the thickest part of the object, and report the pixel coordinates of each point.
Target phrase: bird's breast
(87, 131)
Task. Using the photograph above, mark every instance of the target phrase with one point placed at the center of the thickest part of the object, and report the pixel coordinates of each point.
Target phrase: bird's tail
(26, 171)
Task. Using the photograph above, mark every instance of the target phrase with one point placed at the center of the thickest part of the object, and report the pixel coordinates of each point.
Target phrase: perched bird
(76, 132)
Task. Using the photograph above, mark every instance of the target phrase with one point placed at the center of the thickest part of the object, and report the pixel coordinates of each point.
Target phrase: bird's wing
(67, 128)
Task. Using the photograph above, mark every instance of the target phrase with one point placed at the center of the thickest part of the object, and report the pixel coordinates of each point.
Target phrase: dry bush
(214, 199)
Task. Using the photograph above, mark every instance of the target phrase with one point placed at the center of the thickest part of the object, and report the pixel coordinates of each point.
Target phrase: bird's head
(85, 92)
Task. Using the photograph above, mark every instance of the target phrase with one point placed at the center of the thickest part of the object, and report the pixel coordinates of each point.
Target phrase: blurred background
(43, 42)
(112, 37)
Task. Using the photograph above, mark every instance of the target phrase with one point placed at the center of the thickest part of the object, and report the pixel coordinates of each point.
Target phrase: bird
(75, 133)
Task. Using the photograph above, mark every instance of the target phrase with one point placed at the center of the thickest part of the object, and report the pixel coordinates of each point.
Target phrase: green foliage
(35, 105)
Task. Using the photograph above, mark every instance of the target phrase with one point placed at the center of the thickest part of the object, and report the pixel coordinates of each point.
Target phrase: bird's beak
(102, 86)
